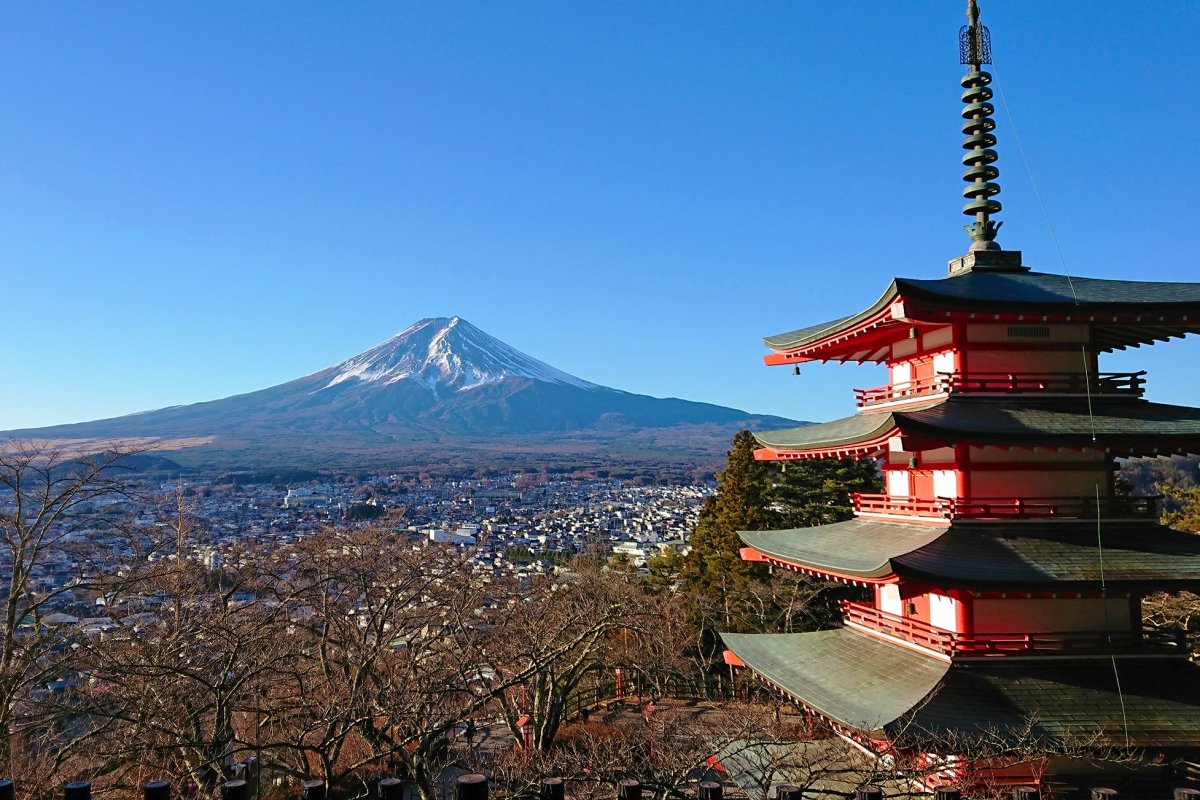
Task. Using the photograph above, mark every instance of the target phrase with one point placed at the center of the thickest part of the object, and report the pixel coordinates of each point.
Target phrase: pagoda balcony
(1122, 384)
(966, 645)
(1007, 507)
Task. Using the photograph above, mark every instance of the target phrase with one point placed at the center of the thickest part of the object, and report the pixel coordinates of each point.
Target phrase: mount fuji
(440, 389)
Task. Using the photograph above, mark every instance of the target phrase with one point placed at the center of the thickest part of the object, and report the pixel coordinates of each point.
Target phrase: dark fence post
(1025, 793)
(946, 793)
(7, 792)
(471, 787)
(157, 790)
(553, 789)
(391, 789)
(868, 793)
(234, 790)
(250, 774)
(788, 791)
(78, 790)
(629, 789)
(314, 789)
(711, 790)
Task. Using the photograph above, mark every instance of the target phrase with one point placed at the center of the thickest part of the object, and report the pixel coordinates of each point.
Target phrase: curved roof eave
(1113, 423)
(824, 547)
(1012, 290)
(793, 339)
(844, 431)
(1020, 554)
(850, 677)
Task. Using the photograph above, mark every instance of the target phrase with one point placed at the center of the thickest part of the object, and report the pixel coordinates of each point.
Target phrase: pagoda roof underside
(1122, 313)
(1133, 427)
(992, 555)
(870, 685)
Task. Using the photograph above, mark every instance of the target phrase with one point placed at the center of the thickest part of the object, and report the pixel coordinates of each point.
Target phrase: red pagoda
(1007, 569)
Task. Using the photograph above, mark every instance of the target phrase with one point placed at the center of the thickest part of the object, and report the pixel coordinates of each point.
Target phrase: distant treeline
(1150, 476)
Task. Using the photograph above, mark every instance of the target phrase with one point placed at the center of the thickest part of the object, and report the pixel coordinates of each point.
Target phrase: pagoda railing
(951, 643)
(906, 628)
(1129, 384)
(1008, 507)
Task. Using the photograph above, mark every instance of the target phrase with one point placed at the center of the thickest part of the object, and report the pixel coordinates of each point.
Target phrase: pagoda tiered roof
(849, 677)
(1043, 556)
(1128, 425)
(1122, 313)
(823, 549)
(866, 684)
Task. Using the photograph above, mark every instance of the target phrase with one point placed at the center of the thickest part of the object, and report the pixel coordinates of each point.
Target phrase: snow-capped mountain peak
(446, 353)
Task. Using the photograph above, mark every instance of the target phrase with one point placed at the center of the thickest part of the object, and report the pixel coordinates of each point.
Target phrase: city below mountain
(441, 391)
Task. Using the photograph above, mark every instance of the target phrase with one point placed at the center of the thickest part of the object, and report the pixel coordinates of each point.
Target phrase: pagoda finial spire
(975, 50)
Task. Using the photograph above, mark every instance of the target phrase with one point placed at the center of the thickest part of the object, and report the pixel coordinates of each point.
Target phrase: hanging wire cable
(1036, 192)
(1087, 388)
(1087, 381)
(1112, 657)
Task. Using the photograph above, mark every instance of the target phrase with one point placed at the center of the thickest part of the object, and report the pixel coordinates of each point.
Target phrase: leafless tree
(53, 504)
(393, 659)
(1179, 610)
(555, 634)
(195, 651)
(666, 650)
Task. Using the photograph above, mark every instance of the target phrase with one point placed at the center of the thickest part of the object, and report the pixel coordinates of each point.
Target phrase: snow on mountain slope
(449, 353)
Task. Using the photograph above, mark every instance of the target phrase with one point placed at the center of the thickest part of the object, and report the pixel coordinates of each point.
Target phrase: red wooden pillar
(963, 621)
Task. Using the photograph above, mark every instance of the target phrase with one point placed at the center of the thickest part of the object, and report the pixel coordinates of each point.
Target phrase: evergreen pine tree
(733, 595)
(714, 571)
(740, 503)
(816, 491)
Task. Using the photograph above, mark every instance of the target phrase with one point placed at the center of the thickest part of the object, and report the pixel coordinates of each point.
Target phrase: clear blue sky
(201, 199)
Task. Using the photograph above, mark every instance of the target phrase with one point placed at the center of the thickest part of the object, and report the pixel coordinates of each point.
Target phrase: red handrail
(985, 644)
(1107, 383)
(906, 628)
(1007, 507)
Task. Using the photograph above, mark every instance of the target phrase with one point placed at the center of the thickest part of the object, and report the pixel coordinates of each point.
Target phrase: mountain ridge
(440, 386)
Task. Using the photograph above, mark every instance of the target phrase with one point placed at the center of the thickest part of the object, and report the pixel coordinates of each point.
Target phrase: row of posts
(475, 787)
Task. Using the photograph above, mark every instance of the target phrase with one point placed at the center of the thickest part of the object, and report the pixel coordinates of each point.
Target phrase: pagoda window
(945, 483)
(889, 599)
(943, 363)
(901, 375)
(943, 612)
(898, 483)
